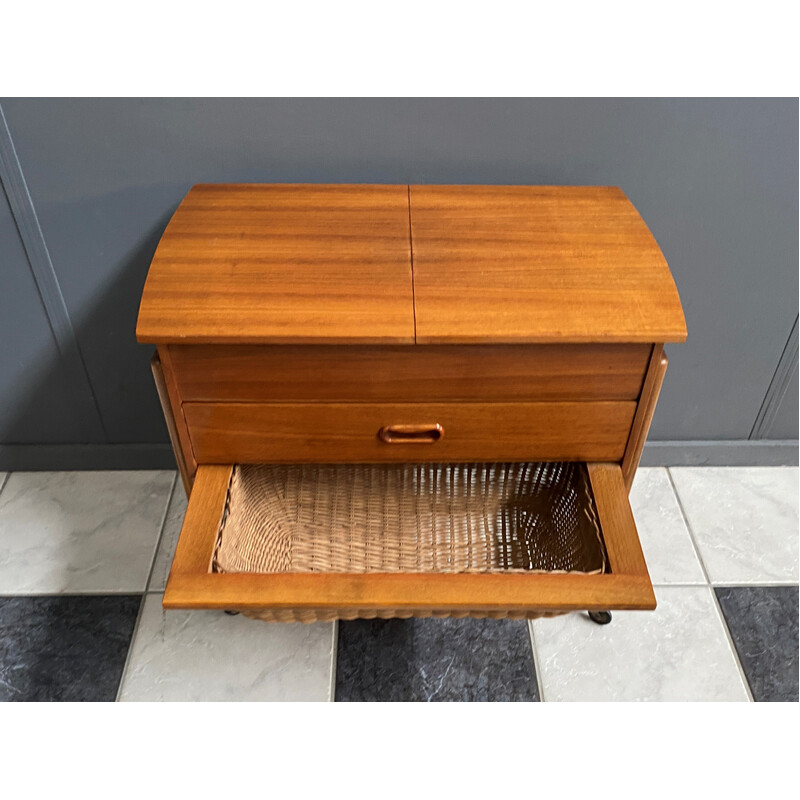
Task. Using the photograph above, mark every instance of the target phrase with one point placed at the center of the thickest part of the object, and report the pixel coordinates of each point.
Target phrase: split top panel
(384, 264)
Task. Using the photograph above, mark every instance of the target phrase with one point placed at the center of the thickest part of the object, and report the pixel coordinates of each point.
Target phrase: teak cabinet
(407, 324)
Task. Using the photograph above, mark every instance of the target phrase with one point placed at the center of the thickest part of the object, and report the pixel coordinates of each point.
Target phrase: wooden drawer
(223, 433)
(624, 584)
(409, 374)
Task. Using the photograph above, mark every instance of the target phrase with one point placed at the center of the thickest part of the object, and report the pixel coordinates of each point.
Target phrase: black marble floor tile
(64, 648)
(434, 660)
(763, 623)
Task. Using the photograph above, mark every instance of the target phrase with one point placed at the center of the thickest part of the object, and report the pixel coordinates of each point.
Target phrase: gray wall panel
(716, 180)
(35, 401)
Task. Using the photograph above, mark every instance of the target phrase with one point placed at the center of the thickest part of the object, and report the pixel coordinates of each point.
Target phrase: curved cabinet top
(383, 264)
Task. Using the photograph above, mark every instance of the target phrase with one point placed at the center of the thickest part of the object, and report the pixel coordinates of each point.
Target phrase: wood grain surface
(173, 413)
(174, 437)
(250, 433)
(323, 264)
(409, 374)
(645, 409)
(204, 511)
(538, 264)
(282, 263)
(611, 498)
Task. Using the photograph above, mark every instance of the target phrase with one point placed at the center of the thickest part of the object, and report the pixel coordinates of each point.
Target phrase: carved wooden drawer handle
(411, 434)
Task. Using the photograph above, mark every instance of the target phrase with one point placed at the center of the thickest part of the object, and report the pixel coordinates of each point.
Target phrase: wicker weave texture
(410, 518)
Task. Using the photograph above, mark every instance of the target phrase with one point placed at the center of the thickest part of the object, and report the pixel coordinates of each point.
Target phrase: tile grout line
(730, 584)
(731, 644)
(535, 655)
(160, 535)
(334, 654)
(678, 585)
(721, 616)
(144, 595)
(755, 584)
(685, 518)
(5, 481)
(142, 599)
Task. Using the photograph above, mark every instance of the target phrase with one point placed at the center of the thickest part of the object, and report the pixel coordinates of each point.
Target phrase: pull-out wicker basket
(408, 518)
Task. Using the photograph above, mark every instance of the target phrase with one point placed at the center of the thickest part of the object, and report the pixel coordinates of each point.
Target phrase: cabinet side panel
(173, 414)
(644, 413)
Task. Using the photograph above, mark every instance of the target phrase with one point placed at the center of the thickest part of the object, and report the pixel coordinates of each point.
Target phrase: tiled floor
(84, 559)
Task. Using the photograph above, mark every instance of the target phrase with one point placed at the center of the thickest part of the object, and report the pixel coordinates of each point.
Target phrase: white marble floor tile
(678, 652)
(208, 656)
(667, 545)
(169, 538)
(80, 531)
(3, 476)
(744, 521)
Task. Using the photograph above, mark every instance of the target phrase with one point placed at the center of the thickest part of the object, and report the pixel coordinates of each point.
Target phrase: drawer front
(409, 374)
(305, 596)
(428, 432)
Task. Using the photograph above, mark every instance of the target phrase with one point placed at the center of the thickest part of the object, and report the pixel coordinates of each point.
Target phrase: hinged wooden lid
(279, 263)
(248, 263)
(538, 264)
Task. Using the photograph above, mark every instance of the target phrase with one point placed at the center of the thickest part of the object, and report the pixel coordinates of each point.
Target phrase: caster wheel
(600, 617)
(232, 613)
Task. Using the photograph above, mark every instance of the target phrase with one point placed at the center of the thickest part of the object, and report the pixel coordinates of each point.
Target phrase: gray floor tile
(744, 521)
(64, 648)
(680, 651)
(763, 624)
(208, 655)
(667, 545)
(80, 531)
(434, 660)
(169, 538)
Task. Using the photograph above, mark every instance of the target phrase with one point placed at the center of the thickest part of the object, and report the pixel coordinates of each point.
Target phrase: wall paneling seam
(41, 266)
(778, 387)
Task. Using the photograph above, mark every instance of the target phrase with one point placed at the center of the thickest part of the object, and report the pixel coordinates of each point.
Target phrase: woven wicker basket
(442, 518)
